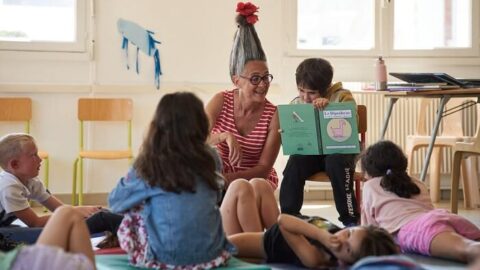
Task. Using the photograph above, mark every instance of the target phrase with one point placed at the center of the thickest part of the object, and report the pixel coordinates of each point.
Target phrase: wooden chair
(461, 150)
(358, 177)
(100, 109)
(19, 109)
(451, 134)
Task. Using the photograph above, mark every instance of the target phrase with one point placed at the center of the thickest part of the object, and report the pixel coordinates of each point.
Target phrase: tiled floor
(326, 209)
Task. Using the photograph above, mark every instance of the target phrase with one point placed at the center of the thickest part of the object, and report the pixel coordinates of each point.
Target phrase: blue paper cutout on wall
(144, 41)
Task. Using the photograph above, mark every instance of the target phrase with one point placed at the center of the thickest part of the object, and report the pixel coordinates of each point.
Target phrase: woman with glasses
(244, 124)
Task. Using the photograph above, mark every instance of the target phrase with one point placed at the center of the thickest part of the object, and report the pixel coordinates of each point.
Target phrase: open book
(308, 131)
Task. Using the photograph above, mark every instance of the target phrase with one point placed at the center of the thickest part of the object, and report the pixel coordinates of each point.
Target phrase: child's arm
(295, 231)
(29, 217)
(52, 203)
(249, 244)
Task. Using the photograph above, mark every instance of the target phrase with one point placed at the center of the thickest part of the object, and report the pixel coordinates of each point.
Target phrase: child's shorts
(40, 256)
(417, 235)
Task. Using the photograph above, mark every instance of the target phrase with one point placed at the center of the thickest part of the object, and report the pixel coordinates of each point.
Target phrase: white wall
(196, 39)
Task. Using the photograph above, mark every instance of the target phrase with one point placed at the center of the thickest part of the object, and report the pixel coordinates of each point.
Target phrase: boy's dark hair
(174, 154)
(377, 242)
(314, 74)
(387, 160)
(6, 244)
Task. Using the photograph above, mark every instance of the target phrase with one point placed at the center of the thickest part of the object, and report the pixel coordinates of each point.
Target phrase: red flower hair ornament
(248, 10)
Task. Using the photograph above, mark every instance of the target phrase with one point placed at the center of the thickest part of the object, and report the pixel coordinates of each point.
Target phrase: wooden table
(443, 95)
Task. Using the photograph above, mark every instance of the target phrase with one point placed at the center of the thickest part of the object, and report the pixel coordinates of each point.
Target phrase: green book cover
(308, 131)
(299, 129)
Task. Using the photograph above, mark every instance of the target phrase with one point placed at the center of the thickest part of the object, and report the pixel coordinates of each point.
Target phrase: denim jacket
(183, 228)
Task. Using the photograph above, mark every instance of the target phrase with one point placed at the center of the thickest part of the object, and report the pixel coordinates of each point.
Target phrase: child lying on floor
(400, 204)
(19, 183)
(313, 244)
(63, 244)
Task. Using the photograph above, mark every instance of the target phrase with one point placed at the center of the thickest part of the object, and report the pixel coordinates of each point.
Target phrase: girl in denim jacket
(170, 196)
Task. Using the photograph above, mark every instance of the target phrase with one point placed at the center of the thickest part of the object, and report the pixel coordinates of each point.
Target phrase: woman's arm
(267, 158)
(213, 109)
(295, 231)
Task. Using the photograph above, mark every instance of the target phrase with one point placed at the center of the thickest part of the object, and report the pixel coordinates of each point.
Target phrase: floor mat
(108, 262)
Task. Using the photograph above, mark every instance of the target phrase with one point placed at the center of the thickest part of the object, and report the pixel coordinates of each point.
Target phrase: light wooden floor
(326, 209)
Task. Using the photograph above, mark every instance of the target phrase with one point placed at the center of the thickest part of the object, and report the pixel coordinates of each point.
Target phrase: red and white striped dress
(252, 144)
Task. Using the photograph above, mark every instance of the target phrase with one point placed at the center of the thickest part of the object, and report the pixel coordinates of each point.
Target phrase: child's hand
(320, 103)
(87, 211)
(334, 244)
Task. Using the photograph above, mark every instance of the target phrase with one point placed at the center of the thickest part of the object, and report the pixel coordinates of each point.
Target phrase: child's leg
(451, 245)
(66, 229)
(249, 244)
(239, 209)
(266, 203)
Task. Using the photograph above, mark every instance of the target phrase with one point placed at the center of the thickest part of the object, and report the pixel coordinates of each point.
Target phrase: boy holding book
(314, 84)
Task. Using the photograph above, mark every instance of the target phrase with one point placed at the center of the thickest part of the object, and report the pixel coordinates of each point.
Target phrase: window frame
(78, 46)
(383, 40)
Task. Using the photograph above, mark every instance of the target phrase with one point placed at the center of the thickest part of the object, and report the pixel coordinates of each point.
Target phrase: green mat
(107, 262)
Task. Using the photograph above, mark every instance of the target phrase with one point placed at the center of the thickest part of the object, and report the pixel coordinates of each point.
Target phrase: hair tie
(389, 172)
(248, 10)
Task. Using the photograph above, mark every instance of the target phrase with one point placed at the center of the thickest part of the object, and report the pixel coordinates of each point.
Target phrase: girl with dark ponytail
(401, 204)
(387, 160)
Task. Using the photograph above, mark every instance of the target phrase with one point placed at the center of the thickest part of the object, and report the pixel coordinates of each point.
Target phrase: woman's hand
(320, 103)
(235, 150)
(87, 211)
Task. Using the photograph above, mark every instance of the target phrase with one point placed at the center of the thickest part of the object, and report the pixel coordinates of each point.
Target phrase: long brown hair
(174, 153)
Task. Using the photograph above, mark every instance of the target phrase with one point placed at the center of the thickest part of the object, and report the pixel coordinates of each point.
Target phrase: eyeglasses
(256, 79)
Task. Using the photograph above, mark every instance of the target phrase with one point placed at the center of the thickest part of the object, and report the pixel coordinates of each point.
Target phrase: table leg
(388, 114)
(433, 135)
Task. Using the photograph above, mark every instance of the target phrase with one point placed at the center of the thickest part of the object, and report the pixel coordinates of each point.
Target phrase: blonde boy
(19, 183)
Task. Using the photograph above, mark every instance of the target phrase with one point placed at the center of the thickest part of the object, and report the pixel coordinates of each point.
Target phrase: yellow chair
(101, 109)
(19, 109)
(451, 134)
(358, 177)
(461, 150)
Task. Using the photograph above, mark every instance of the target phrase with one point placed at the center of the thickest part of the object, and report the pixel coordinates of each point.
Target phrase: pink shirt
(389, 211)
(252, 144)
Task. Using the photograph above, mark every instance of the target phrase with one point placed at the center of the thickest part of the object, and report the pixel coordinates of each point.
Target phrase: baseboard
(323, 194)
(88, 199)
(309, 195)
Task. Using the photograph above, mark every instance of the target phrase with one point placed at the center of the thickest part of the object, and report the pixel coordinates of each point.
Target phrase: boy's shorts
(417, 235)
(40, 256)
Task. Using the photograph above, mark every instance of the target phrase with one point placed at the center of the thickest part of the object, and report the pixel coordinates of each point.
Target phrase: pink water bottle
(380, 74)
